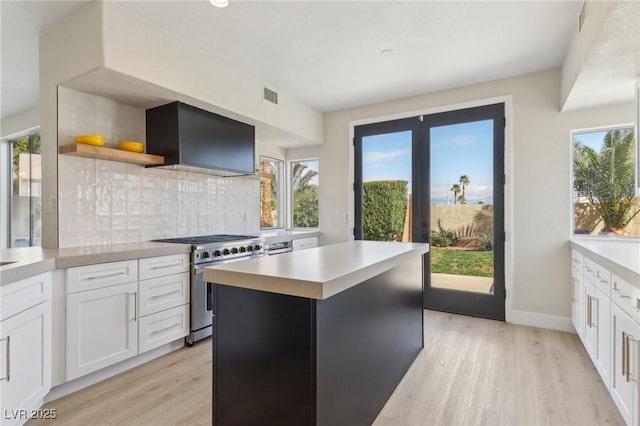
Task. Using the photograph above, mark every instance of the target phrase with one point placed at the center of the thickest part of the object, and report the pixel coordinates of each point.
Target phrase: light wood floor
(471, 372)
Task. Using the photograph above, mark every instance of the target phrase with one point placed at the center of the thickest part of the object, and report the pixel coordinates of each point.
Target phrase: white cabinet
(163, 327)
(102, 328)
(606, 315)
(25, 347)
(577, 294)
(591, 311)
(164, 300)
(102, 318)
(624, 380)
(305, 243)
(117, 310)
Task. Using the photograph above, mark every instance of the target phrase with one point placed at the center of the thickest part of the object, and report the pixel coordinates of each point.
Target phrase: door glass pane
(462, 206)
(26, 184)
(386, 187)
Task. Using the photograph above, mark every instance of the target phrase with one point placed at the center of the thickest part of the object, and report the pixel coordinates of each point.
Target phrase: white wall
(540, 182)
(19, 124)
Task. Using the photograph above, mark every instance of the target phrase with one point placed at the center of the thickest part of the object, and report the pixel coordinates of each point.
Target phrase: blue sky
(592, 139)
(461, 149)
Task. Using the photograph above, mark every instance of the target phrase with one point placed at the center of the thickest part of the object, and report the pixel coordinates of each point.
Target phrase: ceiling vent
(269, 95)
(583, 17)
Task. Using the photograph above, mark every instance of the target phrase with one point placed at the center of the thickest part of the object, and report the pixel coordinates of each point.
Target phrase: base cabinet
(25, 350)
(606, 316)
(624, 380)
(118, 310)
(577, 303)
(102, 328)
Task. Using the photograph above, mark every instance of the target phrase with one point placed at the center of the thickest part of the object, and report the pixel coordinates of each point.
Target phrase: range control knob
(234, 250)
(216, 253)
(205, 255)
(249, 248)
(225, 252)
(257, 247)
(243, 249)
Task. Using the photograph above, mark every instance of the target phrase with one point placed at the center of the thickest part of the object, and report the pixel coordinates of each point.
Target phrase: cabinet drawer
(305, 243)
(163, 327)
(626, 296)
(153, 267)
(597, 275)
(163, 293)
(102, 275)
(21, 295)
(577, 259)
(602, 279)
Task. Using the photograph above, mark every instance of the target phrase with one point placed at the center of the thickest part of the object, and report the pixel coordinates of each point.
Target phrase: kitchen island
(320, 336)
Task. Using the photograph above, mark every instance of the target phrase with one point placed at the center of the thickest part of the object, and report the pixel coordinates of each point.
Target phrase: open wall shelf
(102, 153)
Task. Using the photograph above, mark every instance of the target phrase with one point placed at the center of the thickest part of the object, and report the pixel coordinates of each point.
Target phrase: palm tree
(456, 190)
(301, 176)
(606, 179)
(464, 181)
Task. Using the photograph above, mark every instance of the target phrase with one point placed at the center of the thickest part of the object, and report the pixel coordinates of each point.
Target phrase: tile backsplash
(105, 202)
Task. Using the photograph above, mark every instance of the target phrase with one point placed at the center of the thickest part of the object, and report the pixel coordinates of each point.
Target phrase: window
(26, 182)
(604, 167)
(304, 193)
(270, 189)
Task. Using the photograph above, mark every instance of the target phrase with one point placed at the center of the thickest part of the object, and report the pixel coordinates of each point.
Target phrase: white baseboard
(91, 379)
(534, 319)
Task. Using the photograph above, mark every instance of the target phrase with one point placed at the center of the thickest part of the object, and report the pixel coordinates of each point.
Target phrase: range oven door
(201, 300)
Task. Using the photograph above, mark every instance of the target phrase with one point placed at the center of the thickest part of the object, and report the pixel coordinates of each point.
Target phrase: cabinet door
(102, 328)
(601, 308)
(624, 370)
(590, 336)
(25, 362)
(577, 305)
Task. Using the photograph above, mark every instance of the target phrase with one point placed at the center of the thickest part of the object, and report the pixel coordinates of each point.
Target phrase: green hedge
(384, 205)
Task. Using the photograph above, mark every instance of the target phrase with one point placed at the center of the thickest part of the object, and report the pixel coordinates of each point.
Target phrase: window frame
(8, 186)
(282, 220)
(572, 212)
(290, 165)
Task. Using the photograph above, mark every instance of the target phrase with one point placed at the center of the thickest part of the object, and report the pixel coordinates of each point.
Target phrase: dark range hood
(193, 139)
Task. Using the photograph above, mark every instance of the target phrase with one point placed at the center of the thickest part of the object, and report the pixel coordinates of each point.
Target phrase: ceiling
(328, 53)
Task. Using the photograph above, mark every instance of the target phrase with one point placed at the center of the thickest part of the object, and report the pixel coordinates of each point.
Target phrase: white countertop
(30, 261)
(620, 255)
(316, 273)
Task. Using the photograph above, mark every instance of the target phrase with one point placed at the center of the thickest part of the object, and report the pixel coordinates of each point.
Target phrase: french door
(439, 179)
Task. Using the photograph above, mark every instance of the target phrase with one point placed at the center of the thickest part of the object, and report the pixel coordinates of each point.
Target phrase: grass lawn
(462, 262)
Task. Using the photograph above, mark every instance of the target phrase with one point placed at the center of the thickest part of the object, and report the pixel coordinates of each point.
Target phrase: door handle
(132, 307)
(8, 359)
(624, 354)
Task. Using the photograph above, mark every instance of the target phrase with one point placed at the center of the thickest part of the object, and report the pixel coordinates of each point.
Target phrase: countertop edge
(52, 259)
(318, 290)
(31, 269)
(63, 262)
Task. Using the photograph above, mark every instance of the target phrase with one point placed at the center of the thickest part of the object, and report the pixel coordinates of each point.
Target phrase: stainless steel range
(208, 250)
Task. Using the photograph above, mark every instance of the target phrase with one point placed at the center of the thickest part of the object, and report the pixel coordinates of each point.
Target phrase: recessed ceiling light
(219, 3)
(386, 52)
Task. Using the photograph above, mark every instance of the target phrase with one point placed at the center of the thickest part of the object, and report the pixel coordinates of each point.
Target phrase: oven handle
(199, 269)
